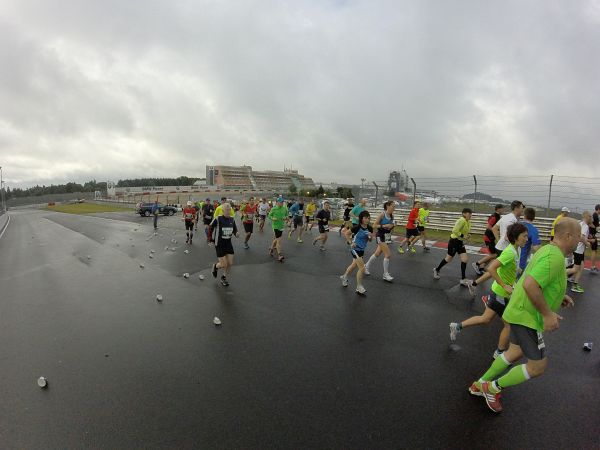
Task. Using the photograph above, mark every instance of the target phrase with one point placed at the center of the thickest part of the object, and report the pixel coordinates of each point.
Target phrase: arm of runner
(496, 231)
(567, 302)
(493, 271)
(536, 296)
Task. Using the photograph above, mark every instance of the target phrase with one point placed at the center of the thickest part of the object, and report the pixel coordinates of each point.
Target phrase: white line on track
(5, 227)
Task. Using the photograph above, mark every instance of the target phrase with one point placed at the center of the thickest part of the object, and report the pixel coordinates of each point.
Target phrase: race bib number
(541, 344)
(250, 216)
(388, 238)
(326, 227)
(227, 232)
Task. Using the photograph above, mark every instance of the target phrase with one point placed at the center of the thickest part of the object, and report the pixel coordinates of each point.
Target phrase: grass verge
(86, 208)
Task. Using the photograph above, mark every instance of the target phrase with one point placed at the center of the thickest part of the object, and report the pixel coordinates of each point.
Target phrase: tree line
(36, 191)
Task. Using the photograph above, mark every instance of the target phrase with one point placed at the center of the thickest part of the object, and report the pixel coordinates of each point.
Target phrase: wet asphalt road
(299, 362)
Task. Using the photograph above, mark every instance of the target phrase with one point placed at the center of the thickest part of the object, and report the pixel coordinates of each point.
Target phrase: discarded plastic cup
(150, 256)
(186, 251)
(159, 298)
(201, 276)
(167, 247)
(152, 251)
(186, 275)
(217, 321)
(89, 257)
(588, 346)
(142, 266)
(42, 382)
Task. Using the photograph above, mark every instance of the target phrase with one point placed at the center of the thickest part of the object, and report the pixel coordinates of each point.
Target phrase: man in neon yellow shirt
(456, 244)
(219, 209)
(309, 214)
(423, 220)
(537, 296)
(278, 216)
(564, 212)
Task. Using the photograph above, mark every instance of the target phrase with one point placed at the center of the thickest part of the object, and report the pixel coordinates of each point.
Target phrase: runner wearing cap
(456, 244)
(248, 213)
(221, 229)
(189, 218)
(358, 238)
(263, 210)
(579, 253)
(422, 225)
(564, 212)
(323, 218)
(208, 212)
(278, 215)
(533, 243)
(311, 208)
(384, 224)
(297, 212)
(539, 293)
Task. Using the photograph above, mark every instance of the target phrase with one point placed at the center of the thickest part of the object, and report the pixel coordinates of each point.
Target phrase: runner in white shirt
(579, 253)
(263, 210)
(505, 221)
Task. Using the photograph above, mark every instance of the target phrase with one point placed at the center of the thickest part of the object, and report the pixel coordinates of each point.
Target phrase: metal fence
(547, 194)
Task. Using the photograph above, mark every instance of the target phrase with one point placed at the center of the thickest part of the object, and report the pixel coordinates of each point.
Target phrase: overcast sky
(338, 89)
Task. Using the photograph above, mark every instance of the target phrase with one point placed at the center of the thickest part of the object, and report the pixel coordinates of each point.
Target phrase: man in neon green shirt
(278, 215)
(423, 220)
(456, 244)
(219, 209)
(537, 296)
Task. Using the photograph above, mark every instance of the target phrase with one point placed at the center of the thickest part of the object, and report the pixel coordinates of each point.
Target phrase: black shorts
(224, 248)
(531, 341)
(262, 217)
(206, 221)
(297, 221)
(594, 244)
(421, 229)
(308, 219)
(412, 232)
(384, 238)
(346, 218)
(578, 258)
(494, 302)
(249, 227)
(323, 230)
(278, 233)
(491, 246)
(456, 246)
(357, 253)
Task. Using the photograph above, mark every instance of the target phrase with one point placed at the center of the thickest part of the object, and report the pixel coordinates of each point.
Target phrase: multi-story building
(243, 177)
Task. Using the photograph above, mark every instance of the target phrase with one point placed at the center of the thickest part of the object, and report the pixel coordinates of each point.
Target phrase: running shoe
(496, 354)
(214, 271)
(594, 270)
(426, 249)
(477, 269)
(577, 288)
(454, 330)
(315, 242)
(436, 274)
(299, 241)
(246, 246)
(401, 250)
(344, 280)
(387, 277)
(281, 258)
(475, 389)
(412, 249)
(571, 279)
(224, 281)
(322, 249)
(492, 399)
(367, 271)
(468, 284)
(360, 290)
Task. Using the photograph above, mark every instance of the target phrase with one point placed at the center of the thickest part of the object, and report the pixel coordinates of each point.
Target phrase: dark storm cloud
(341, 90)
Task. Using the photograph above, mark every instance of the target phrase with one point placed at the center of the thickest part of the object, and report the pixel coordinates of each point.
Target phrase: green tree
(292, 190)
(320, 191)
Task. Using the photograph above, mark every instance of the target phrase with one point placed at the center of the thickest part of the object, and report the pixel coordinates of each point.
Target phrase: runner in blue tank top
(358, 238)
(384, 226)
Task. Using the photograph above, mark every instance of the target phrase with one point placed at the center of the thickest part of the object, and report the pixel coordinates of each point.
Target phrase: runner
(459, 234)
(278, 215)
(499, 229)
(537, 296)
(355, 212)
(423, 220)
(311, 208)
(489, 238)
(384, 224)
(346, 217)
(263, 210)
(220, 231)
(412, 232)
(219, 209)
(189, 217)
(198, 207)
(248, 213)
(504, 272)
(564, 212)
(533, 239)
(358, 238)
(155, 212)
(208, 212)
(579, 253)
(297, 212)
(323, 217)
(593, 233)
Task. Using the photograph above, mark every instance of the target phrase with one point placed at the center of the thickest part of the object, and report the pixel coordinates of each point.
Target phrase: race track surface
(299, 361)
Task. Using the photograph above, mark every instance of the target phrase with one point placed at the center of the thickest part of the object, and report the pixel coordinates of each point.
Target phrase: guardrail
(445, 220)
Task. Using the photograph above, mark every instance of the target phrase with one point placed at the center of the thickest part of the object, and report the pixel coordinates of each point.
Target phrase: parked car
(145, 209)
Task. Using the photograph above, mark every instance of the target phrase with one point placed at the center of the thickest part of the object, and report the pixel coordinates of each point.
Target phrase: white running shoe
(436, 274)
(361, 290)
(454, 330)
(469, 284)
(387, 277)
(496, 354)
(344, 280)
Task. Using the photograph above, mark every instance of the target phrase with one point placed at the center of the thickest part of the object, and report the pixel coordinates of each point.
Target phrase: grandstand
(243, 177)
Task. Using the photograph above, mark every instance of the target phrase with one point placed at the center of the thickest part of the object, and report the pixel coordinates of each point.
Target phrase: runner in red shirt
(412, 232)
(189, 217)
(248, 213)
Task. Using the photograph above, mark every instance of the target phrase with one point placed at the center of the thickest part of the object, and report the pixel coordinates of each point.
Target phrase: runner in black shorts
(323, 218)
(460, 232)
(208, 211)
(221, 229)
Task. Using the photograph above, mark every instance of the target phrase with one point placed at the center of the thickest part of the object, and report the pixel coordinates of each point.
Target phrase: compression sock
(371, 259)
(463, 269)
(386, 265)
(442, 264)
(498, 367)
(516, 375)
